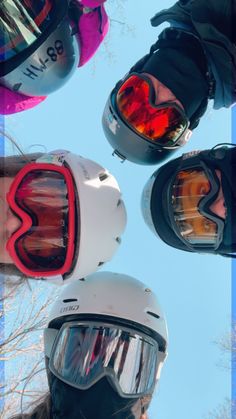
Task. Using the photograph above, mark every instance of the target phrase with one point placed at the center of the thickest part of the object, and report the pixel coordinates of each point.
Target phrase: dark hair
(9, 167)
(41, 411)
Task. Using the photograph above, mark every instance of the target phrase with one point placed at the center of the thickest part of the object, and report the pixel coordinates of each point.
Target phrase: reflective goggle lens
(189, 188)
(21, 23)
(44, 201)
(161, 124)
(85, 353)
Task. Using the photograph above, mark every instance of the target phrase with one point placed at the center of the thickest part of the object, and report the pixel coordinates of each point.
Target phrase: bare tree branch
(26, 306)
(222, 411)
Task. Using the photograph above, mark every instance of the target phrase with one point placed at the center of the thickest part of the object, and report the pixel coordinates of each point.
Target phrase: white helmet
(101, 212)
(113, 298)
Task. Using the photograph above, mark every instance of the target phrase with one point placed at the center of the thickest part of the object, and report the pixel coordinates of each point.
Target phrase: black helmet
(40, 52)
(130, 144)
(190, 202)
(178, 61)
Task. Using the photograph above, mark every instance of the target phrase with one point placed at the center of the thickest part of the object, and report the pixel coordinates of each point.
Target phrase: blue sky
(194, 290)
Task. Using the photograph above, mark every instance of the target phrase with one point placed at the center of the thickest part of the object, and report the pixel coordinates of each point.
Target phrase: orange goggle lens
(189, 188)
(162, 124)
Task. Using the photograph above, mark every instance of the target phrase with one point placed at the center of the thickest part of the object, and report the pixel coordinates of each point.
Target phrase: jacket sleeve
(12, 102)
(92, 29)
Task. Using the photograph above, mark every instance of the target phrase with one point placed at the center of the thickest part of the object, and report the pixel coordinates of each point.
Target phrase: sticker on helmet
(112, 124)
(55, 157)
(190, 154)
(33, 71)
(184, 138)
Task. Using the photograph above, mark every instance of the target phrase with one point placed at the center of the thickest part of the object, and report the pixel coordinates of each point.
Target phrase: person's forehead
(157, 84)
(5, 183)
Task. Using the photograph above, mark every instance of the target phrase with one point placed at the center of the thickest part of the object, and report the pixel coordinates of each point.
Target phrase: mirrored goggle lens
(21, 23)
(46, 199)
(163, 125)
(83, 354)
(189, 188)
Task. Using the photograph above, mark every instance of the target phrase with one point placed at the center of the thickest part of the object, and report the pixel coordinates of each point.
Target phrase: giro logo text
(69, 308)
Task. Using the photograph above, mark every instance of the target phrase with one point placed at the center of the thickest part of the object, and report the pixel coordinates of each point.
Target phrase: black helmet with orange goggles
(190, 202)
(139, 130)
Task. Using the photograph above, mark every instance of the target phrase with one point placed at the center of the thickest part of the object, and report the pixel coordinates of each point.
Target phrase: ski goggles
(162, 124)
(192, 193)
(84, 352)
(22, 22)
(42, 196)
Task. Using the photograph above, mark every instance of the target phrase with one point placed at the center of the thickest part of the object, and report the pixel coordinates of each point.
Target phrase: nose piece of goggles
(191, 195)
(42, 196)
(84, 352)
(164, 124)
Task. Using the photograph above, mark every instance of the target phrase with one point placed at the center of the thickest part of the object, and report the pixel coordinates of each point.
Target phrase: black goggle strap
(229, 239)
(206, 201)
(222, 153)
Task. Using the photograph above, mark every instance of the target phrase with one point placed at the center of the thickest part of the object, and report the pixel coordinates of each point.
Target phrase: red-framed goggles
(42, 196)
(163, 124)
(84, 352)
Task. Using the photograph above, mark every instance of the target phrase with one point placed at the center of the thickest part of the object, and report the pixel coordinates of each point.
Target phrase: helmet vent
(153, 314)
(119, 202)
(103, 176)
(16, 87)
(70, 300)
(101, 263)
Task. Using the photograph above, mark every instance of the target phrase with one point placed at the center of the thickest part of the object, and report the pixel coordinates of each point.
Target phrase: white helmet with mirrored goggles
(95, 331)
(84, 352)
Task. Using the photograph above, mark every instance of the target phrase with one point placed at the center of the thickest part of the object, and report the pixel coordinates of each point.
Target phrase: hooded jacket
(213, 22)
